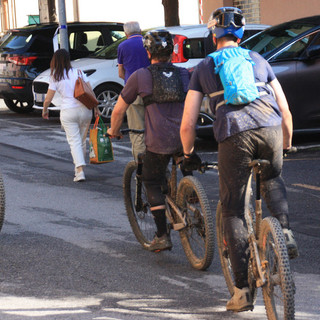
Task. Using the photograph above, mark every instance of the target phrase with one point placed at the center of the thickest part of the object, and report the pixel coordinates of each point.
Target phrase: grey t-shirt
(162, 120)
(232, 119)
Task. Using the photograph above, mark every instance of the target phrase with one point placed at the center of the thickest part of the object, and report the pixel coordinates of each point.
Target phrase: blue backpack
(235, 68)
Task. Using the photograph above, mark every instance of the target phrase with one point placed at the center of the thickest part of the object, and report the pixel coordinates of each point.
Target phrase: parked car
(293, 50)
(191, 44)
(26, 52)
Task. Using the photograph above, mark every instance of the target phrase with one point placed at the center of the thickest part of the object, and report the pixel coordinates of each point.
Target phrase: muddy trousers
(234, 156)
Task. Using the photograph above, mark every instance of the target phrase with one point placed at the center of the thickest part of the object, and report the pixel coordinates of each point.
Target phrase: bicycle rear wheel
(197, 237)
(141, 221)
(278, 291)
(2, 201)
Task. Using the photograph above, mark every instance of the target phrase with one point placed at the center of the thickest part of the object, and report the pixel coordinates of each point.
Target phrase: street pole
(64, 43)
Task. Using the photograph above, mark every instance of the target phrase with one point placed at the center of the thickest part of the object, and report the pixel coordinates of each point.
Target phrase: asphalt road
(67, 250)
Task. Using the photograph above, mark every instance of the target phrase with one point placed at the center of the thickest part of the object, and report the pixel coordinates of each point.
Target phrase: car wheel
(107, 95)
(19, 106)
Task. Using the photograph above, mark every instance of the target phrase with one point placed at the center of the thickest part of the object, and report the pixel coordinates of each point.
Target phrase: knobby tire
(2, 201)
(279, 290)
(197, 238)
(141, 222)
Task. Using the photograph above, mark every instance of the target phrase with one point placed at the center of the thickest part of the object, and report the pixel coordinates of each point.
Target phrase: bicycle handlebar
(126, 131)
(208, 166)
(290, 151)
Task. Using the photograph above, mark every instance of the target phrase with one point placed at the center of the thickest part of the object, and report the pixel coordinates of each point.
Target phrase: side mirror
(313, 52)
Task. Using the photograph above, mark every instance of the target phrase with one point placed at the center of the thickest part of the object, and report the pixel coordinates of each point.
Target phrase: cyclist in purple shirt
(261, 129)
(131, 57)
(163, 88)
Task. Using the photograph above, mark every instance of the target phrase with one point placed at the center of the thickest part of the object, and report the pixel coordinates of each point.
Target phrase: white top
(65, 88)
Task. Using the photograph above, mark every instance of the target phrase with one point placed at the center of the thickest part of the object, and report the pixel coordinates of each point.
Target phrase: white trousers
(76, 122)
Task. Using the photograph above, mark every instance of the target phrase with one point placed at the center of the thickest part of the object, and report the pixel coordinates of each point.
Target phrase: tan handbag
(84, 93)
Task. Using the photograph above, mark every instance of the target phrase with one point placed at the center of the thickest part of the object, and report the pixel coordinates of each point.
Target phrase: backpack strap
(258, 84)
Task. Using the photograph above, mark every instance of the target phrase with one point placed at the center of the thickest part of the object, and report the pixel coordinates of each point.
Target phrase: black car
(293, 50)
(27, 51)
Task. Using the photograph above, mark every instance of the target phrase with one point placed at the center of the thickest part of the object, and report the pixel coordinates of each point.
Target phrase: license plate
(39, 97)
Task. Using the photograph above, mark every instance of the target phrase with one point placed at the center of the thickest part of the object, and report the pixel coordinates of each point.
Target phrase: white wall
(25, 8)
(149, 13)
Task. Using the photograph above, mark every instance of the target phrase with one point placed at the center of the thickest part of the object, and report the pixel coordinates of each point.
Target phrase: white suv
(192, 43)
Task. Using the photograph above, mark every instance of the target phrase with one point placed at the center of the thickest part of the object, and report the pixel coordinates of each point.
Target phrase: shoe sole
(247, 308)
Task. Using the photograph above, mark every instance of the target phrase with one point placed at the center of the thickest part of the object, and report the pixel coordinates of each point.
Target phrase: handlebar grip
(290, 151)
(127, 130)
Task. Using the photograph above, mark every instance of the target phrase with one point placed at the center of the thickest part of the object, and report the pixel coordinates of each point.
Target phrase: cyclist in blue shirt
(259, 129)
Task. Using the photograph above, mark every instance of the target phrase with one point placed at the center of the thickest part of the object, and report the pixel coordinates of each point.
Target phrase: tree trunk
(47, 11)
(171, 12)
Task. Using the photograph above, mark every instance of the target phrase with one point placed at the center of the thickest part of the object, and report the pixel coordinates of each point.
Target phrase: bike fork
(261, 280)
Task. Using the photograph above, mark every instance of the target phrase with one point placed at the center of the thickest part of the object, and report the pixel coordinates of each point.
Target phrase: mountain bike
(2, 201)
(269, 266)
(187, 211)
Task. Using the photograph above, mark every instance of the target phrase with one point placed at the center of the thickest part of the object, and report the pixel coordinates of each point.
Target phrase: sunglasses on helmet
(226, 19)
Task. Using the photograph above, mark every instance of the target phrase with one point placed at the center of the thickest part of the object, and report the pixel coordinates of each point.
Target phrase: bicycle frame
(171, 200)
(258, 267)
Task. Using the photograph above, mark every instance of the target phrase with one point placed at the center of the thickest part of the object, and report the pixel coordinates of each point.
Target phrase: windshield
(274, 37)
(109, 52)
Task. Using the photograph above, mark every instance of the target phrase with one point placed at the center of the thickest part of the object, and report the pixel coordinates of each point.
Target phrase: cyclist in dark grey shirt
(259, 129)
(163, 88)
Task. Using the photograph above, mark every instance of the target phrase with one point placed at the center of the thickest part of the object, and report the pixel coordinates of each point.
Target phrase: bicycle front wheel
(197, 237)
(279, 289)
(140, 219)
(223, 251)
(2, 201)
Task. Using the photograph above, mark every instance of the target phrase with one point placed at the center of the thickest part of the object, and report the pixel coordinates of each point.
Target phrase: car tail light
(177, 55)
(17, 87)
(22, 60)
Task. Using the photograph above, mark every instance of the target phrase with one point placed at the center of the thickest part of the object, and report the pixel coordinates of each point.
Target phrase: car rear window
(194, 48)
(16, 40)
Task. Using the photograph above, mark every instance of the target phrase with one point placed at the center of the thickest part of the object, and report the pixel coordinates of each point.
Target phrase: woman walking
(74, 116)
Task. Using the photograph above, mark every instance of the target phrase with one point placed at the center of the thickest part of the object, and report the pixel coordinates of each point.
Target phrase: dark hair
(60, 62)
(230, 37)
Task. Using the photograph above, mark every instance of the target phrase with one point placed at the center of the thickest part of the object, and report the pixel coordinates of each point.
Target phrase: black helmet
(227, 20)
(158, 42)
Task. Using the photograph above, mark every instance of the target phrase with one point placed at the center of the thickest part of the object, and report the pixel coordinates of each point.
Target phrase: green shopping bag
(100, 146)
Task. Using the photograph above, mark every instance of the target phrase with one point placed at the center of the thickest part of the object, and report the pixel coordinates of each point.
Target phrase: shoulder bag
(84, 93)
